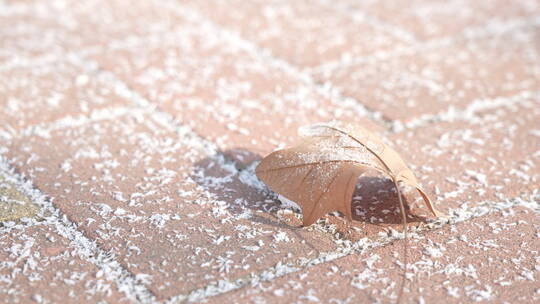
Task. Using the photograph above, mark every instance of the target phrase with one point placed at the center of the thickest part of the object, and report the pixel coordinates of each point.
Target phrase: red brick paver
(224, 92)
(305, 33)
(31, 31)
(489, 157)
(440, 19)
(493, 258)
(159, 201)
(429, 81)
(45, 92)
(38, 265)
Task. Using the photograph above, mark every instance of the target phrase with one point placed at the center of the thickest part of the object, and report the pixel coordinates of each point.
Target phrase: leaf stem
(405, 244)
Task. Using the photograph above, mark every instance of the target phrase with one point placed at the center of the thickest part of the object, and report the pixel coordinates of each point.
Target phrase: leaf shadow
(375, 201)
(230, 177)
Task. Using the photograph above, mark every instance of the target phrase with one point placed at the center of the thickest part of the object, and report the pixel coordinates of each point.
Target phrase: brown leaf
(321, 173)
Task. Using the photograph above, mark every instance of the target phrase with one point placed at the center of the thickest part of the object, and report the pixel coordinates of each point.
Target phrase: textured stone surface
(139, 126)
(37, 265)
(432, 80)
(31, 31)
(305, 33)
(493, 258)
(121, 20)
(159, 200)
(34, 30)
(48, 92)
(224, 92)
(425, 19)
(489, 157)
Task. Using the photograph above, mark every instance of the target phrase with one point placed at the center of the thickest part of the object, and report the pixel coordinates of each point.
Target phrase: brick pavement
(130, 132)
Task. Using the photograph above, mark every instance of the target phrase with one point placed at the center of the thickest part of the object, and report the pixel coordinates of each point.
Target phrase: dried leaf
(321, 173)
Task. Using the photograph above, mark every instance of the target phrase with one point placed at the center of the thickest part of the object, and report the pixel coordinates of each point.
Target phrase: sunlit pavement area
(130, 130)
